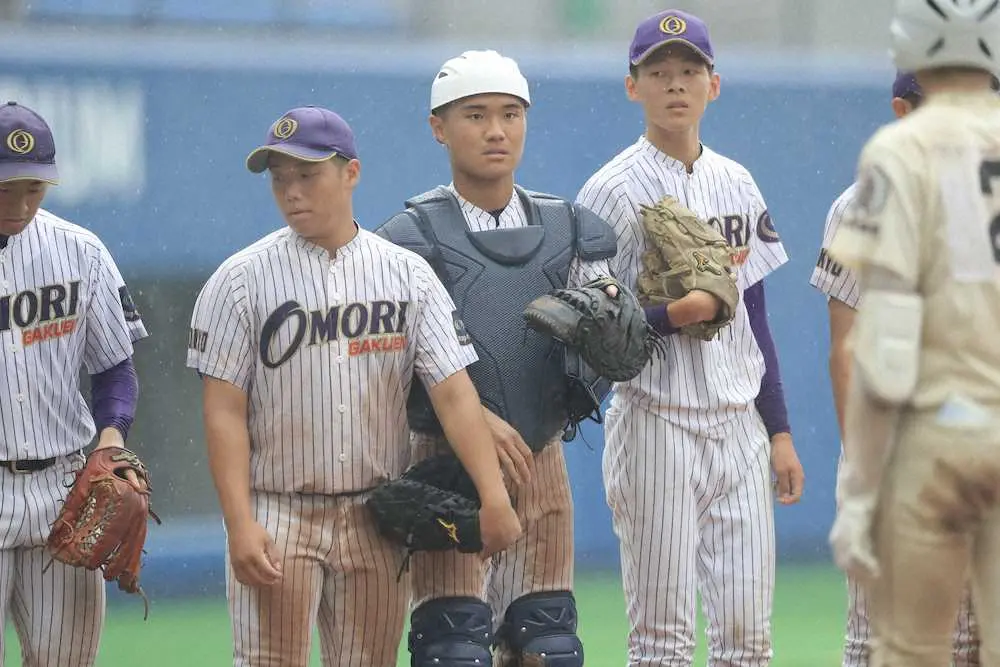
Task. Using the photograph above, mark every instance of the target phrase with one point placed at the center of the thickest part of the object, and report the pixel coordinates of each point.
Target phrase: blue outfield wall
(152, 158)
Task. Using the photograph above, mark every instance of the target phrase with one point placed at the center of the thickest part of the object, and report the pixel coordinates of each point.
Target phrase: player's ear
(714, 85)
(437, 128)
(353, 171)
(630, 89)
(901, 107)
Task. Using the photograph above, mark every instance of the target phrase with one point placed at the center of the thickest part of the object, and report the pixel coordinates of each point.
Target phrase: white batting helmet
(475, 73)
(941, 33)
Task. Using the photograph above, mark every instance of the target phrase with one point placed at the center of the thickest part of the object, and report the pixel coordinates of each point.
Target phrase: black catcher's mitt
(433, 506)
(610, 333)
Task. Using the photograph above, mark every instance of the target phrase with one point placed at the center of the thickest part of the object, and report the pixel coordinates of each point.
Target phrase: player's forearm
(870, 432)
(840, 380)
(228, 441)
(456, 403)
(770, 400)
(114, 395)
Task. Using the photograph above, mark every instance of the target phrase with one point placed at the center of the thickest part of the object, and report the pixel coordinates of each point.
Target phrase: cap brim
(28, 171)
(673, 40)
(257, 160)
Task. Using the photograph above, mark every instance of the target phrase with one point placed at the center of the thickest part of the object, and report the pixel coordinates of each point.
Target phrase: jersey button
(20, 398)
(342, 457)
(340, 358)
(342, 408)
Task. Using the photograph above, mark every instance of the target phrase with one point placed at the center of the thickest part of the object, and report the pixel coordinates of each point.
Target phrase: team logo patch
(463, 334)
(673, 25)
(128, 305)
(285, 127)
(765, 228)
(21, 141)
(874, 188)
(197, 340)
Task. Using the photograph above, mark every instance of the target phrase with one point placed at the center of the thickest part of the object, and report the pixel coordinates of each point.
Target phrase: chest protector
(492, 275)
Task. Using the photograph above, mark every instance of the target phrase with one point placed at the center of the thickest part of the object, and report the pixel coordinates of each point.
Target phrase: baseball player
(919, 511)
(691, 442)
(840, 285)
(307, 342)
(486, 237)
(63, 306)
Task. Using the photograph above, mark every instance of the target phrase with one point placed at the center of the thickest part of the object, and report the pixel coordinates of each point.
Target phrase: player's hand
(789, 478)
(515, 456)
(499, 527)
(254, 555)
(851, 539)
(694, 307)
(112, 437)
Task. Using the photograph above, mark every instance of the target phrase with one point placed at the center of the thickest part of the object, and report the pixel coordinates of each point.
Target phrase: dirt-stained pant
(339, 574)
(937, 527)
(857, 640)
(541, 560)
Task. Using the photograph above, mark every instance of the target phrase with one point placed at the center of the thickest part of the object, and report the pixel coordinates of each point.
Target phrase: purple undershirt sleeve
(771, 399)
(114, 394)
(657, 318)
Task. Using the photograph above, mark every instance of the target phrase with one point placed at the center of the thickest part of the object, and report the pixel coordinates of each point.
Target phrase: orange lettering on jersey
(370, 344)
(740, 255)
(47, 332)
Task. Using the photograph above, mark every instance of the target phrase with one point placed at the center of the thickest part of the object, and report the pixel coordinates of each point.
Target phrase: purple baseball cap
(27, 149)
(671, 26)
(308, 133)
(906, 84)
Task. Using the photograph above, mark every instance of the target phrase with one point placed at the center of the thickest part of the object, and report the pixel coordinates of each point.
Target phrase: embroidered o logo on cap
(673, 25)
(20, 141)
(285, 128)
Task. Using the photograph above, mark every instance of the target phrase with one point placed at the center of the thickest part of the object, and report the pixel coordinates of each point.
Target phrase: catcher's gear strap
(887, 342)
(595, 238)
(542, 627)
(407, 229)
(451, 632)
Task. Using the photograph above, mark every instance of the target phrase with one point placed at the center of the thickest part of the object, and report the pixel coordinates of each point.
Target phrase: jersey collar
(668, 162)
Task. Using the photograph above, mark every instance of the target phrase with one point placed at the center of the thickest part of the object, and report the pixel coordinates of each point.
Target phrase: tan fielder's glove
(684, 253)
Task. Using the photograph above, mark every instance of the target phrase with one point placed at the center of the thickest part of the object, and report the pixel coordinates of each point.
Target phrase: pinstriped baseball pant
(692, 515)
(339, 574)
(59, 613)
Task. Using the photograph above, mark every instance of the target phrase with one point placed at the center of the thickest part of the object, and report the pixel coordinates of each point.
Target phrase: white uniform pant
(58, 614)
(692, 514)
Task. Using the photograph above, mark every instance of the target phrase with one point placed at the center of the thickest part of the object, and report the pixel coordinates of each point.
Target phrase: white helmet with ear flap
(942, 33)
(476, 73)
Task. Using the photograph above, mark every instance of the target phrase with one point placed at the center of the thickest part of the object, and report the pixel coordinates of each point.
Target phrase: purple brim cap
(313, 134)
(672, 26)
(257, 160)
(27, 149)
(28, 171)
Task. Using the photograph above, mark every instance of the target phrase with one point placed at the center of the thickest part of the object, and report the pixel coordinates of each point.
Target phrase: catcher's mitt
(686, 254)
(610, 333)
(102, 523)
(433, 506)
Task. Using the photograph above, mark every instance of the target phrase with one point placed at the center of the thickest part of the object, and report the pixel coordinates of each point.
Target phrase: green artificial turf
(808, 626)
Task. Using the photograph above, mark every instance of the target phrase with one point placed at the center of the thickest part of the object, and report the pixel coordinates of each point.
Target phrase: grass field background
(808, 626)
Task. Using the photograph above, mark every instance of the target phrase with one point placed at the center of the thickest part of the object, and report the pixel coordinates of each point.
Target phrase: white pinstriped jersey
(63, 306)
(326, 348)
(700, 385)
(513, 215)
(831, 277)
